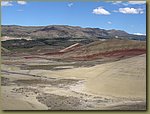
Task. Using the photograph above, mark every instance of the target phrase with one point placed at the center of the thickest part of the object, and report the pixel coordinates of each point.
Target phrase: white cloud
(128, 10)
(129, 2)
(109, 22)
(101, 11)
(139, 34)
(137, 2)
(8, 3)
(22, 2)
(117, 2)
(70, 4)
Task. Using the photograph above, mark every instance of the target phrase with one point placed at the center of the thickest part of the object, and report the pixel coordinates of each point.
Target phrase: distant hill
(109, 48)
(65, 31)
(57, 37)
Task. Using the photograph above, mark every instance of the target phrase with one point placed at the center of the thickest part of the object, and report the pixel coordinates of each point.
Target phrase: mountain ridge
(65, 31)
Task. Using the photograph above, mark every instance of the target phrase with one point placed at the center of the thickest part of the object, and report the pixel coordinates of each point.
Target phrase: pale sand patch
(124, 78)
(121, 78)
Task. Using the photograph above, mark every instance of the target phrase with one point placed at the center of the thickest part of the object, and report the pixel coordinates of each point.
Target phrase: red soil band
(112, 54)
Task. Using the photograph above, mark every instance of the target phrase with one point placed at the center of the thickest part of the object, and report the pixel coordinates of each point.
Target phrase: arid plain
(102, 75)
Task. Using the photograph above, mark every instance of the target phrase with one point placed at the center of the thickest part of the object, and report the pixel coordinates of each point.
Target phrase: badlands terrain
(72, 74)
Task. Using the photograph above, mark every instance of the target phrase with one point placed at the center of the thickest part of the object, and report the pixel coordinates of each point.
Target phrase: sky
(128, 16)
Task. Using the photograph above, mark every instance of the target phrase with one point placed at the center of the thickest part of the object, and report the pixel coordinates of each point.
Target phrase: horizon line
(66, 25)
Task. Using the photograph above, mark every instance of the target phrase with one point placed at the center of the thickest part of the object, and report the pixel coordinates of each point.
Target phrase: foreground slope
(125, 78)
(119, 85)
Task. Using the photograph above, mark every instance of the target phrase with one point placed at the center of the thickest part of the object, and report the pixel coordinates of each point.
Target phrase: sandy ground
(119, 85)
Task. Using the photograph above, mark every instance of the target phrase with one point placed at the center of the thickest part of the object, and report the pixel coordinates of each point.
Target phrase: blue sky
(127, 16)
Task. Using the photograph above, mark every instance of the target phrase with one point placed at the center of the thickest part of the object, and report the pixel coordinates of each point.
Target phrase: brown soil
(112, 54)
